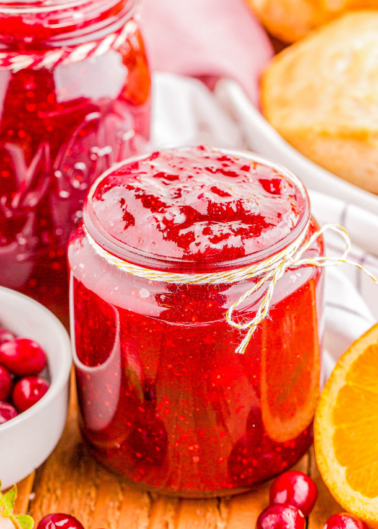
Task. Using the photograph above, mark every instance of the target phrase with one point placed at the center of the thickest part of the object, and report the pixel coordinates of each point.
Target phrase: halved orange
(346, 430)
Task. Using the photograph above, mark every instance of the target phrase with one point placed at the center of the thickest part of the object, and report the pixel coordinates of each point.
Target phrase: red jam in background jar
(164, 398)
(74, 99)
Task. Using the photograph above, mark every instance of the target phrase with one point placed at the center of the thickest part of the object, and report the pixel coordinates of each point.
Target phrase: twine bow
(269, 271)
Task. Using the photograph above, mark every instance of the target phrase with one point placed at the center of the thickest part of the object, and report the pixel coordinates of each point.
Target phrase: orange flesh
(355, 418)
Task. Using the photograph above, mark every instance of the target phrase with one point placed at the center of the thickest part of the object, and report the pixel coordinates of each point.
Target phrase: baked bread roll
(321, 95)
(290, 20)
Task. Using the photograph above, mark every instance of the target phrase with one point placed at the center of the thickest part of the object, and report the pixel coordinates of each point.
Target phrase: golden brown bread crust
(321, 94)
(291, 20)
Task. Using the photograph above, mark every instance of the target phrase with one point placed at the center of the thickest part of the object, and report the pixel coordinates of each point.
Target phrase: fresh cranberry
(23, 357)
(59, 521)
(5, 383)
(345, 521)
(28, 391)
(255, 427)
(6, 335)
(7, 412)
(294, 488)
(281, 517)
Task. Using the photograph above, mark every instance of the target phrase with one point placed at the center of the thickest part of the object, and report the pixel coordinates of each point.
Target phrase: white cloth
(185, 112)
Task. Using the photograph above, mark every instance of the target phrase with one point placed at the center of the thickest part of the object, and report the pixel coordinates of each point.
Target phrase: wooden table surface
(72, 482)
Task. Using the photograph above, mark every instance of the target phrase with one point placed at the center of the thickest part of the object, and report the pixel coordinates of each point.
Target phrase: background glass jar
(74, 99)
(164, 398)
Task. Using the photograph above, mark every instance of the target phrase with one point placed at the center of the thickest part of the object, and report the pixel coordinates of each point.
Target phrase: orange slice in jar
(290, 365)
(346, 429)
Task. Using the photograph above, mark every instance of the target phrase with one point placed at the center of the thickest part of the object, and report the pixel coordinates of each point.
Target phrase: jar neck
(30, 25)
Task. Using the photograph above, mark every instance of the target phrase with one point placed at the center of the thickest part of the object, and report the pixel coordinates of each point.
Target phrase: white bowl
(27, 440)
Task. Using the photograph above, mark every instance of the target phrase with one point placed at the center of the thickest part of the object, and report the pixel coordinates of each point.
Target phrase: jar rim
(211, 264)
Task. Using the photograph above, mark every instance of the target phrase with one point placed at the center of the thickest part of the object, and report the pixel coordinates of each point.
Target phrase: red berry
(7, 412)
(294, 488)
(6, 383)
(28, 391)
(59, 521)
(23, 357)
(6, 335)
(281, 517)
(345, 521)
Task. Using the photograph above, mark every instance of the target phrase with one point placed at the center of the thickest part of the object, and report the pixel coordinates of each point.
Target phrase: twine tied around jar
(16, 61)
(269, 271)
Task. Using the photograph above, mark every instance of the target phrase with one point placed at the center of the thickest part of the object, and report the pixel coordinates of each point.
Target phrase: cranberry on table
(28, 391)
(7, 412)
(281, 517)
(5, 383)
(294, 488)
(23, 357)
(59, 521)
(6, 335)
(345, 521)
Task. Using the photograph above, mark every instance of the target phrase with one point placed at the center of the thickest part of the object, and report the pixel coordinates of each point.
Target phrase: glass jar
(164, 398)
(74, 99)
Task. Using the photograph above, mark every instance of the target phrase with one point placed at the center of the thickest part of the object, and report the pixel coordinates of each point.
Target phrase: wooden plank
(163, 514)
(135, 508)
(198, 514)
(241, 512)
(24, 492)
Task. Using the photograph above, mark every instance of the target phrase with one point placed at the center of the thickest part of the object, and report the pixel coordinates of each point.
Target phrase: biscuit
(321, 95)
(291, 20)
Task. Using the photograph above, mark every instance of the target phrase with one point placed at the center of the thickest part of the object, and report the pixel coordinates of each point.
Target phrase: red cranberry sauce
(60, 127)
(196, 205)
(164, 398)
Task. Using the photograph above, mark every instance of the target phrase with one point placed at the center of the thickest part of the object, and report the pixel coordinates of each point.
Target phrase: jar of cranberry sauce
(165, 399)
(74, 99)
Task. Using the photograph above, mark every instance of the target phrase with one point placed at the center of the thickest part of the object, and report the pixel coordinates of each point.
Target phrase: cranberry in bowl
(165, 397)
(33, 413)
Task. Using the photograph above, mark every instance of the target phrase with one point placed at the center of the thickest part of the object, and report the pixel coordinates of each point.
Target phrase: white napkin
(185, 112)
